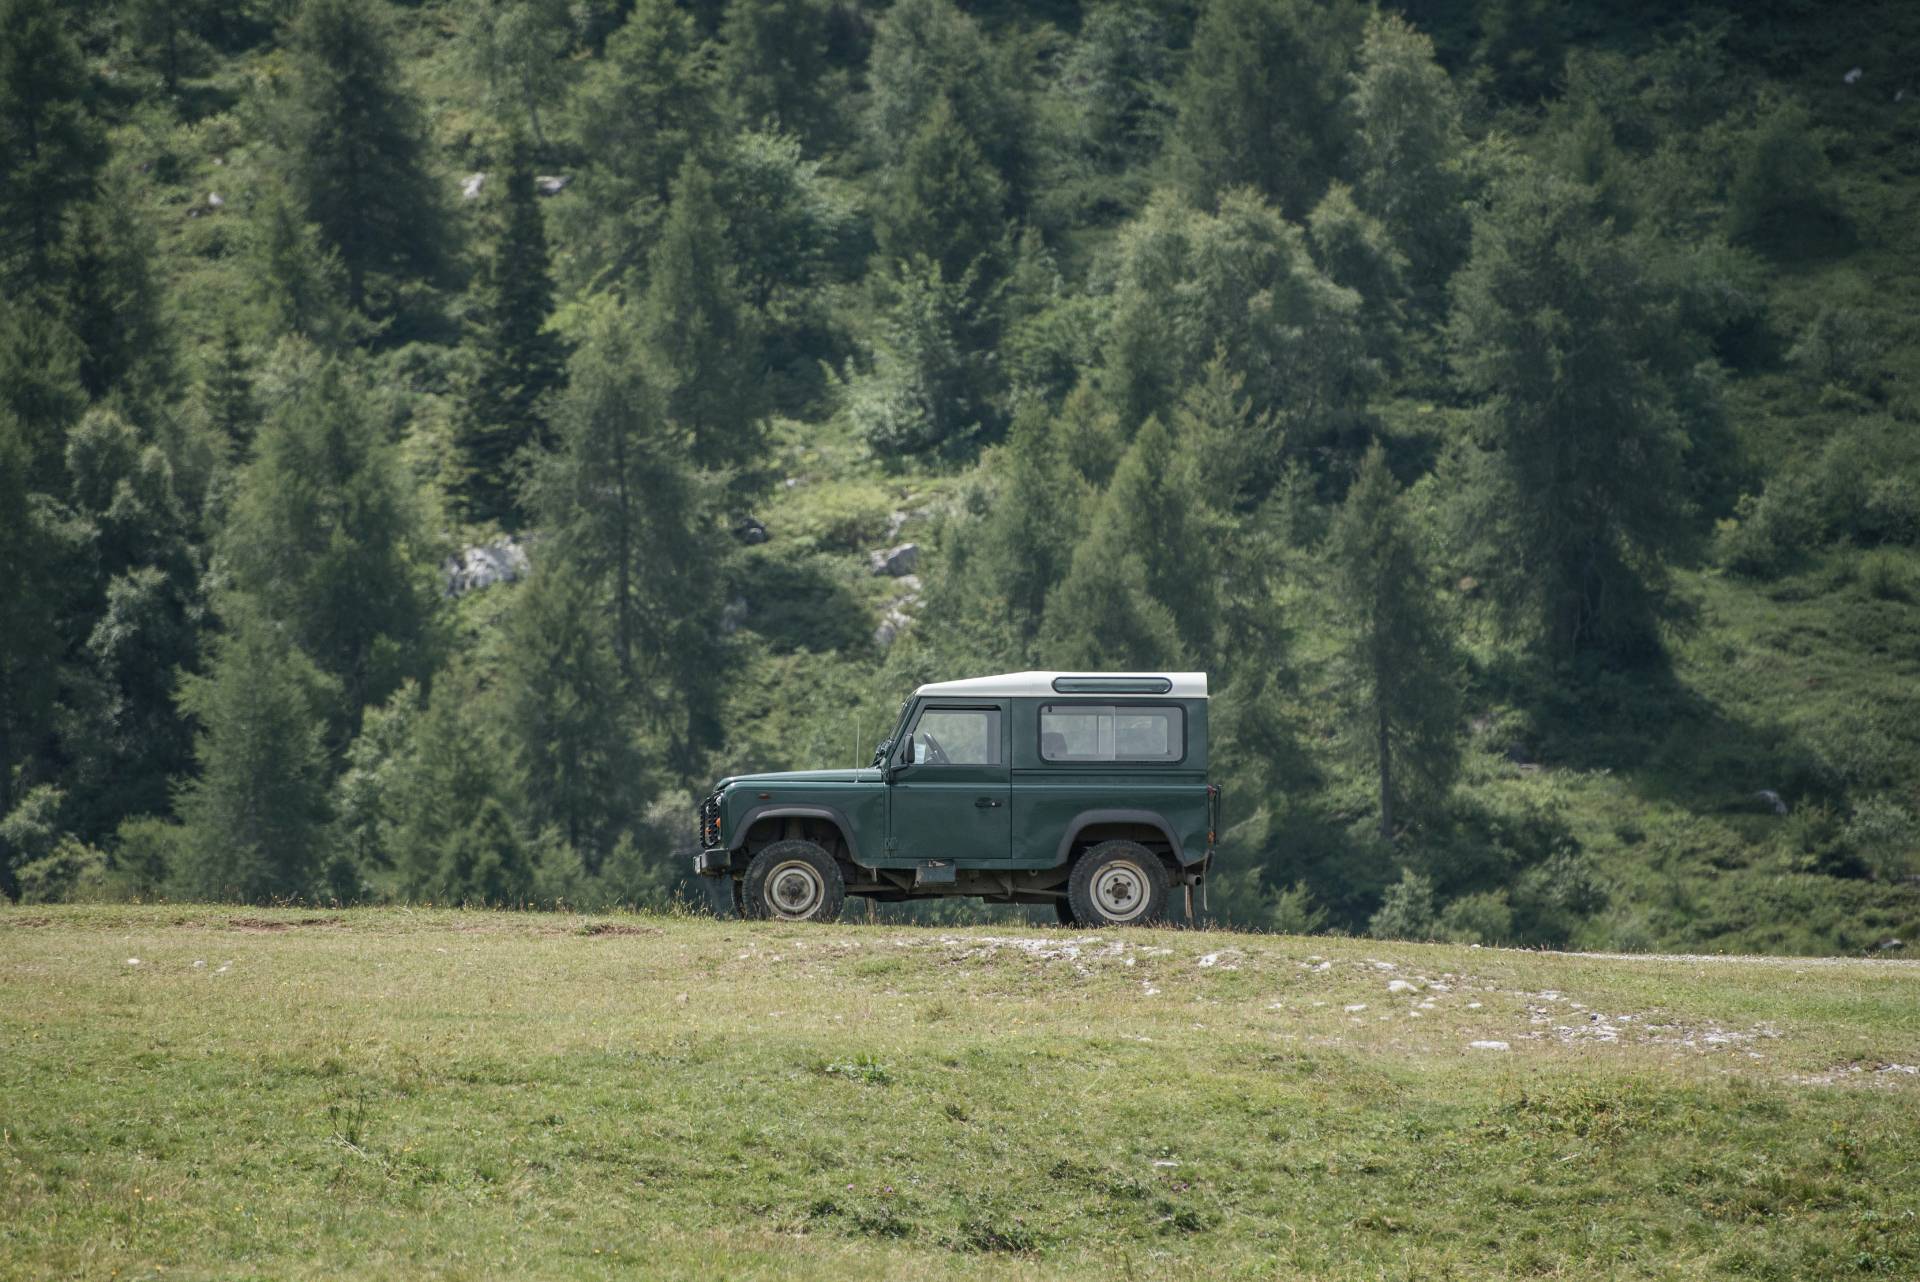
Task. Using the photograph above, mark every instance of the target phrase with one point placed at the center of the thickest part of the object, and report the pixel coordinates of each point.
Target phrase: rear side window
(1091, 732)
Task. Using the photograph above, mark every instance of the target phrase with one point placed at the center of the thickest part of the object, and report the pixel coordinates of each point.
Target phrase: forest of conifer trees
(1514, 406)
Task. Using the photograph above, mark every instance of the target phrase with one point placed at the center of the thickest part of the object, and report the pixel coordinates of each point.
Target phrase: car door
(950, 802)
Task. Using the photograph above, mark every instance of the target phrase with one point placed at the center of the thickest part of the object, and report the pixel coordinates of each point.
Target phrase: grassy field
(211, 1092)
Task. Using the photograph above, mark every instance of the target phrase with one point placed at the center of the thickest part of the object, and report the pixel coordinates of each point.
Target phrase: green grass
(381, 1093)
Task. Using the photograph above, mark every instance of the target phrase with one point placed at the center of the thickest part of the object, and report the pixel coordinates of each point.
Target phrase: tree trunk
(1385, 750)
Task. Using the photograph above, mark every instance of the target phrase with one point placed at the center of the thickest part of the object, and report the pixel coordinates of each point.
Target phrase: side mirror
(906, 753)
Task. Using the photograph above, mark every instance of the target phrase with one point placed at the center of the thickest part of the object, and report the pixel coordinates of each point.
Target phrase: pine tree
(943, 202)
(1190, 286)
(986, 595)
(522, 362)
(566, 715)
(1259, 103)
(1579, 359)
(137, 606)
(355, 148)
(925, 387)
(113, 304)
(227, 391)
(1139, 591)
(775, 67)
(1356, 252)
(51, 149)
(1397, 659)
(1409, 151)
(628, 512)
(928, 50)
(326, 541)
(31, 560)
(640, 113)
(255, 815)
(700, 338)
(298, 284)
(450, 797)
(40, 388)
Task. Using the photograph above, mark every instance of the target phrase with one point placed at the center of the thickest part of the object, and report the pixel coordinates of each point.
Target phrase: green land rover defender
(1085, 790)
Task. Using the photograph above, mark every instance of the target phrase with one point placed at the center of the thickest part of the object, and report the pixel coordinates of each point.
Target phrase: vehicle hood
(868, 774)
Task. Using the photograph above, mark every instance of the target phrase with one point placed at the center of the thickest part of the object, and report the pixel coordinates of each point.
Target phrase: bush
(73, 872)
(1407, 910)
(1882, 834)
(1884, 577)
(1484, 918)
(1781, 198)
(1839, 347)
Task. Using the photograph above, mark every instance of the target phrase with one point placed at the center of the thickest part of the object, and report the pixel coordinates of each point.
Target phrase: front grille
(709, 833)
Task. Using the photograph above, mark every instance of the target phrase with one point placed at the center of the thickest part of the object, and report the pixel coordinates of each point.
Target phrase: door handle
(986, 803)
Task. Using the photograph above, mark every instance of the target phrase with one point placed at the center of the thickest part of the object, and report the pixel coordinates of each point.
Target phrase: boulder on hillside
(895, 561)
(483, 565)
(551, 184)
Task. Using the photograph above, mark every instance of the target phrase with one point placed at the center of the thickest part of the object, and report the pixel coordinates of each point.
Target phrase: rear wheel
(1118, 883)
(793, 881)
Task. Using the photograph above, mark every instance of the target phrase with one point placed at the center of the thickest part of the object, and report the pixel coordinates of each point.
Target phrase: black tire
(1064, 911)
(1118, 883)
(793, 881)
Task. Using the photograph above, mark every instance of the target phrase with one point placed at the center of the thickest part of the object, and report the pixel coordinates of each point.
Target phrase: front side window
(957, 737)
(1089, 732)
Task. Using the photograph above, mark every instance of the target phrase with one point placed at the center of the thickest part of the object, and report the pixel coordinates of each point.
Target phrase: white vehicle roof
(1184, 685)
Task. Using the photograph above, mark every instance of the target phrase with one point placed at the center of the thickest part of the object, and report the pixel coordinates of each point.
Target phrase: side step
(935, 872)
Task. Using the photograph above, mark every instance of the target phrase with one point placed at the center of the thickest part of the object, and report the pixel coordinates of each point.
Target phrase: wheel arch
(831, 815)
(1091, 827)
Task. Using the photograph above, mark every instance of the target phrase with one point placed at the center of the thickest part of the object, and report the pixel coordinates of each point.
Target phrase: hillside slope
(210, 1092)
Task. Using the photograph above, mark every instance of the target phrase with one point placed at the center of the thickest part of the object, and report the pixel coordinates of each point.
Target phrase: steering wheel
(936, 755)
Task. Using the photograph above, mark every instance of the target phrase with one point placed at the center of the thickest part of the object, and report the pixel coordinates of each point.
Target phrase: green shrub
(1882, 834)
(1884, 577)
(1407, 910)
(73, 872)
(1485, 918)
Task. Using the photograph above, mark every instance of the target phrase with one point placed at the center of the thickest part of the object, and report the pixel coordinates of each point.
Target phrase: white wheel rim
(1120, 892)
(795, 889)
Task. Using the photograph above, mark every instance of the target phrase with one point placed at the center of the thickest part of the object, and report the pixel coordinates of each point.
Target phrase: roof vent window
(1112, 685)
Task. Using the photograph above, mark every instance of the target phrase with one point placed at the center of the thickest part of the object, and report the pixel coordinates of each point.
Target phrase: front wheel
(793, 881)
(1118, 883)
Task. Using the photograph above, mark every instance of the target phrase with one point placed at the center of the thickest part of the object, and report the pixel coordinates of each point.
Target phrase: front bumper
(712, 863)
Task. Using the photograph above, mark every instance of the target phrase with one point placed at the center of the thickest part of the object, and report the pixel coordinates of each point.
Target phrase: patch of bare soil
(598, 928)
(267, 924)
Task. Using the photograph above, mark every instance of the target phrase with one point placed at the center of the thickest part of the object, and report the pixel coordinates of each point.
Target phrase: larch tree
(355, 148)
(1398, 666)
(629, 513)
(522, 361)
(639, 113)
(1409, 151)
(1258, 104)
(255, 814)
(51, 148)
(701, 340)
(1580, 360)
(326, 540)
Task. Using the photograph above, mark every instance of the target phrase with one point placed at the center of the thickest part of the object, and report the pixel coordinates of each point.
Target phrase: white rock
(1402, 986)
(1490, 1046)
(1356, 1008)
(471, 185)
(1166, 1162)
(1853, 77)
(216, 201)
(133, 961)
